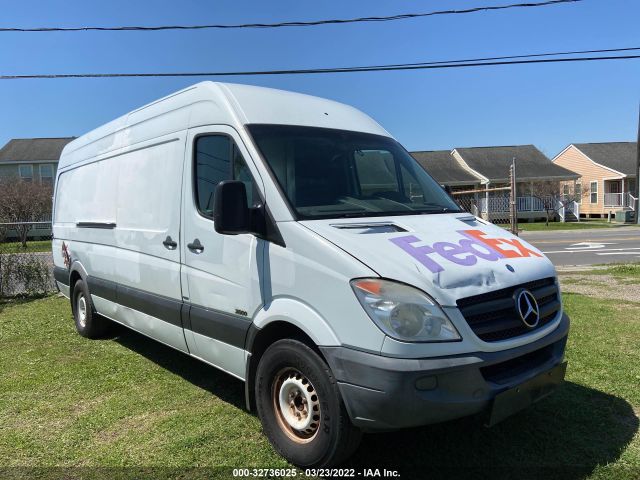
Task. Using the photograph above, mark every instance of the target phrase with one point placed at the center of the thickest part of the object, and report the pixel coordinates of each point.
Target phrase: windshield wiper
(362, 213)
(439, 208)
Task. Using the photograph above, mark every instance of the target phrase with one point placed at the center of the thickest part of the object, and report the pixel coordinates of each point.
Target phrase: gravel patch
(607, 287)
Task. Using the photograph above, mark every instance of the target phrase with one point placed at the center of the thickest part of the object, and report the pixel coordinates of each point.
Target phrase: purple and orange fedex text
(474, 245)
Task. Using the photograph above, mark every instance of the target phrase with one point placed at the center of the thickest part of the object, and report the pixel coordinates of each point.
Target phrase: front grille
(493, 316)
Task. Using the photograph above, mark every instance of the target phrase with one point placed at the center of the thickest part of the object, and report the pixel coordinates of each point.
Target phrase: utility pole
(513, 210)
(637, 192)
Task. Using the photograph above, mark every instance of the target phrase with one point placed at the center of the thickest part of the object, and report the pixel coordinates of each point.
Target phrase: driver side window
(217, 158)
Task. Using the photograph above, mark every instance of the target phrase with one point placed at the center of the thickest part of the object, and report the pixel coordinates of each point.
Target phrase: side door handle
(169, 243)
(195, 246)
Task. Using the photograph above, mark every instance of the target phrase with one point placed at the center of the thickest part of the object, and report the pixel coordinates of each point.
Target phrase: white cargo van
(293, 243)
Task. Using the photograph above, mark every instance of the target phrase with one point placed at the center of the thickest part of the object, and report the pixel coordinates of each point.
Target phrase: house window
(46, 174)
(593, 191)
(578, 192)
(26, 173)
(565, 191)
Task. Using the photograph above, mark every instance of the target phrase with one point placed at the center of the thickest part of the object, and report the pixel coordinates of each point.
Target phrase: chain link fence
(35, 228)
(23, 272)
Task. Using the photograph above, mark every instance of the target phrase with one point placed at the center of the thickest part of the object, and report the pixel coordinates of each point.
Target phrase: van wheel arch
(258, 340)
(74, 276)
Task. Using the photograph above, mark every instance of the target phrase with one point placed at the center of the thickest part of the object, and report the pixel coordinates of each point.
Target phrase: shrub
(24, 274)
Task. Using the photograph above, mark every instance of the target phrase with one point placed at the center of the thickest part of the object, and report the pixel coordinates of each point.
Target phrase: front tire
(88, 323)
(300, 407)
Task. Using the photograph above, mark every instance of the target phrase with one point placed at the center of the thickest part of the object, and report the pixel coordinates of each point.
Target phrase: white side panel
(151, 326)
(139, 191)
(86, 194)
(227, 357)
(148, 273)
(314, 273)
(226, 279)
(97, 259)
(148, 197)
(148, 210)
(140, 322)
(105, 307)
(64, 289)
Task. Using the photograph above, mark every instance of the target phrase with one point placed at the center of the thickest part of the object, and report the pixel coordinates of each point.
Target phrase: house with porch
(482, 171)
(608, 175)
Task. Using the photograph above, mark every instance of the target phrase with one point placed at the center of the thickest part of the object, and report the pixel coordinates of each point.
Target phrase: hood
(449, 256)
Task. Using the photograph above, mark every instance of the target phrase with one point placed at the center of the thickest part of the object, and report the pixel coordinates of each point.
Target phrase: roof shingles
(620, 156)
(444, 168)
(531, 164)
(33, 149)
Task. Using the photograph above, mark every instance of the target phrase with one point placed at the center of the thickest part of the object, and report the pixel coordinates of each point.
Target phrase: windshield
(327, 173)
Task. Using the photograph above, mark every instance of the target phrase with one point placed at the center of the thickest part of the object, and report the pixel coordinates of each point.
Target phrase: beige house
(607, 173)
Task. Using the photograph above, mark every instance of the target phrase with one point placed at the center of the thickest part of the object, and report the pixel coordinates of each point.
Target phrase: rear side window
(217, 158)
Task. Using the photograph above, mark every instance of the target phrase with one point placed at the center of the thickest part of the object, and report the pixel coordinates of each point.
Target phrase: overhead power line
(479, 62)
(510, 57)
(403, 16)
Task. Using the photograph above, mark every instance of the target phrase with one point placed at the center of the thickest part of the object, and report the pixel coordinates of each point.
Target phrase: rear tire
(300, 407)
(88, 323)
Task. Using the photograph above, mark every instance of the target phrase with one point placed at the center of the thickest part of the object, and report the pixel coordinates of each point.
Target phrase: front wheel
(300, 407)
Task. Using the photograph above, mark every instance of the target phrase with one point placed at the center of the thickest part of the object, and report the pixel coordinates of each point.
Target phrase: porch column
(531, 196)
(486, 197)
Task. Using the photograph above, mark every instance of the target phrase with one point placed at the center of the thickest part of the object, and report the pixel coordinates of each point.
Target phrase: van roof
(213, 103)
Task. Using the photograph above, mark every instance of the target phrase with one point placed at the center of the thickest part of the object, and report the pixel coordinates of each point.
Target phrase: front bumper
(386, 393)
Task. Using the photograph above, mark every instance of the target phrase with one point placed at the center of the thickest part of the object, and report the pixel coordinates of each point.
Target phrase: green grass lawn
(32, 246)
(130, 402)
(584, 224)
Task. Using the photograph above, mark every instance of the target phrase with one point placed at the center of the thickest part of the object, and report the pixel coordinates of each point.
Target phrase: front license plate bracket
(522, 396)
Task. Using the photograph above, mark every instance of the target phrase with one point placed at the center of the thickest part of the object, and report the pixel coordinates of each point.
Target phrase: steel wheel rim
(296, 405)
(82, 310)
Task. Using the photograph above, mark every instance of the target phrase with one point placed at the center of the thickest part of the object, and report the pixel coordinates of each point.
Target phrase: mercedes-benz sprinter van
(293, 243)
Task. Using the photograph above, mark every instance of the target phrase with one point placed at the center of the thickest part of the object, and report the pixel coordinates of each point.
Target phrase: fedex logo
(466, 252)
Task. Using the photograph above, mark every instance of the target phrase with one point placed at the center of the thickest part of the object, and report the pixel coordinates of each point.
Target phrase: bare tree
(23, 202)
(553, 196)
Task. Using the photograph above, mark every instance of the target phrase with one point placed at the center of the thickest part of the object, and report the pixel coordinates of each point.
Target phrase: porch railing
(630, 201)
(613, 199)
(523, 204)
(625, 200)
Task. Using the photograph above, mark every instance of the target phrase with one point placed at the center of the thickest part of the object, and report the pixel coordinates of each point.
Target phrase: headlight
(403, 312)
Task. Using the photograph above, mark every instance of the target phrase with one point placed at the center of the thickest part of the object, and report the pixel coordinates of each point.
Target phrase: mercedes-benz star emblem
(527, 308)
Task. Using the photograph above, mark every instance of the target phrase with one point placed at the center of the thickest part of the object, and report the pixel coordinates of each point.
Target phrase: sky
(548, 105)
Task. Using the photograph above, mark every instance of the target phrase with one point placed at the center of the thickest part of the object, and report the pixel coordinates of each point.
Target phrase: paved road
(588, 247)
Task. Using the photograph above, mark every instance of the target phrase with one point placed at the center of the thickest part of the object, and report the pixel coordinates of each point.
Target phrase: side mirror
(231, 214)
